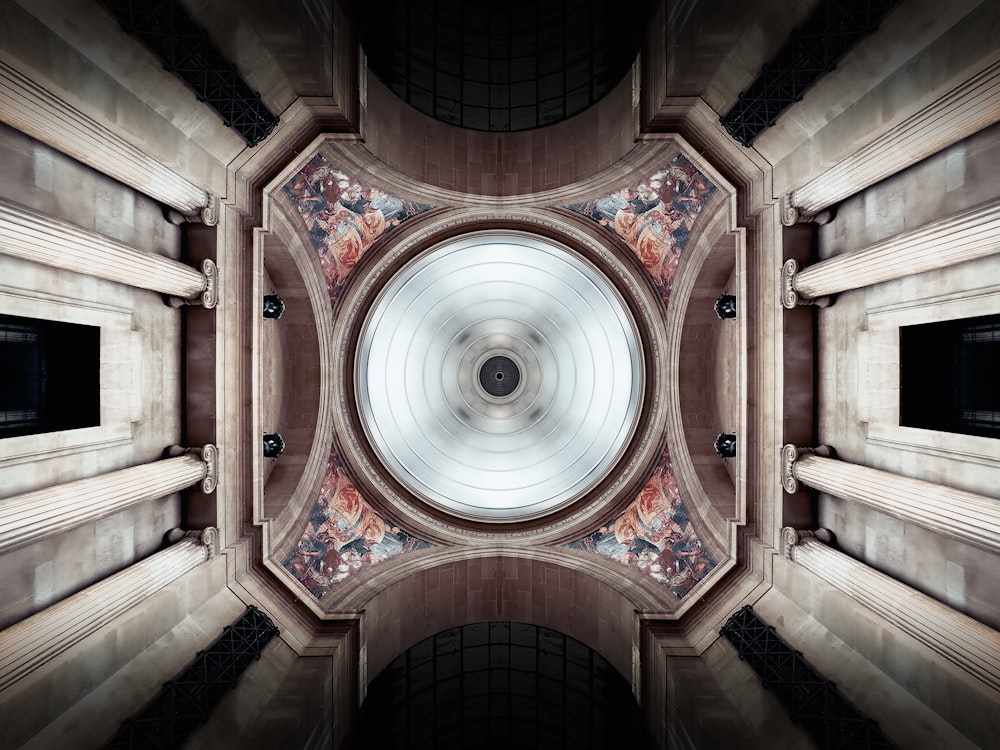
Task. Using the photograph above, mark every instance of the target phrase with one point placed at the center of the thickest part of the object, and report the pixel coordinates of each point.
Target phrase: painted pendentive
(655, 217)
(343, 216)
(654, 535)
(344, 535)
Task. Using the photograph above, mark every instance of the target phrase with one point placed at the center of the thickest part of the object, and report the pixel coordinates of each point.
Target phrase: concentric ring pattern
(458, 307)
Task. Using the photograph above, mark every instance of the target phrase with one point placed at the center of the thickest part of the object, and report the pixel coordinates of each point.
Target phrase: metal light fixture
(274, 306)
(274, 445)
(725, 445)
(725, 306)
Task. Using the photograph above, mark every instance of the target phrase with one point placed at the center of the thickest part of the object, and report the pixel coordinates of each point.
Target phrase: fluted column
(43, 239)
(962, 515)
(966, 643)
(33, 642)
(36, 515)
(965, 236)
(964, 110)
(33, 109)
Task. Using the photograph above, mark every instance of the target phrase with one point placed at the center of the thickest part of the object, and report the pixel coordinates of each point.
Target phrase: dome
(499, 376)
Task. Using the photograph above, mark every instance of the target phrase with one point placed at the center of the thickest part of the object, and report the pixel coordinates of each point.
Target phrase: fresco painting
(654, 535)
(343, 216)
(344, 535)
(655, 218)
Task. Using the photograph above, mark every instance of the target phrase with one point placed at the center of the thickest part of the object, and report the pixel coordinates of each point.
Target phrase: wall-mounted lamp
(274, 306)
(725, 306)
(725, 445)
(274, 444)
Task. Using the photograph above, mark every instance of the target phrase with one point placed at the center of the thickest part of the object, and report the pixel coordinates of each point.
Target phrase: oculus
(499, 377)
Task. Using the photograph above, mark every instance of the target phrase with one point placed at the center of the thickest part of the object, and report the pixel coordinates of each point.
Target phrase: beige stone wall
(140, 375)
(858, 377)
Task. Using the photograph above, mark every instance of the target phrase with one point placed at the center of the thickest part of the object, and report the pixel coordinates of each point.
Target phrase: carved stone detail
(790, 214)
(210, 455)
(209, 214)
(210, 296)
(209, 538)
(789, 297)
(789, 455)
(791, 538)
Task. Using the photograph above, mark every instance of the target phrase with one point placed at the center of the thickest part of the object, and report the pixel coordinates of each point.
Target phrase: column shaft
(43, 239)
(962, 515)
(966, 643)
(31, 643)
(966, 109)
(37, 515)
(35, 110)
(966, 236)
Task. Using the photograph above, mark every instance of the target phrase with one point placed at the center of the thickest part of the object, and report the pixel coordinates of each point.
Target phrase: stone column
(33, 109)
(43, 239)
(965, 236)
(966, 109)
(37, 515)
(966, 643)
(962, 515)
(33, 642)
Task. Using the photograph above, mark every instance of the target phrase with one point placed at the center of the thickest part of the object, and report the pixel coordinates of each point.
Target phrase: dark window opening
(49, 376)
(950, 376)
(493, 66)
(495, 685)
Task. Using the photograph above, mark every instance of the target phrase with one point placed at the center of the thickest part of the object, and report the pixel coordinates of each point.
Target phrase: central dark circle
(499, 376)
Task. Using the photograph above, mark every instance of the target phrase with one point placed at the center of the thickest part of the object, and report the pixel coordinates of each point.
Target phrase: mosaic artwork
(654, 535)
(344, 535)
(655, 218)
(343, 216)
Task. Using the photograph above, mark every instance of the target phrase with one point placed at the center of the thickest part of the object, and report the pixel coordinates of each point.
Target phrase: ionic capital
(790, 455)
(791, 538)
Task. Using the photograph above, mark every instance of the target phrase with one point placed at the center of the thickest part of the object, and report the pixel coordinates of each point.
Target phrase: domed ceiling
(500, 372)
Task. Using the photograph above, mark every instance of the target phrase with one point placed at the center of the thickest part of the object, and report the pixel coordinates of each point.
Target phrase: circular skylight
(499, 377)
(505, 66)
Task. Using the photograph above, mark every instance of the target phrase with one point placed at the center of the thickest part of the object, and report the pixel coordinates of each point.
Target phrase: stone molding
(42, 114)
(43, 239)
(966, 109)
(30, 517)
(35, 641)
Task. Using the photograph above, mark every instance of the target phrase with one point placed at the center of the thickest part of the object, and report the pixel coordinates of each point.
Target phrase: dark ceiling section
(186, 50)
(497, 66)
(500, 685)
(813, 49)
